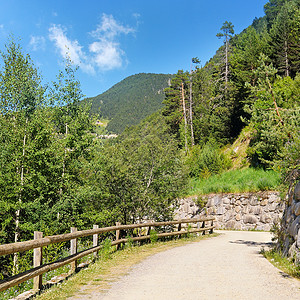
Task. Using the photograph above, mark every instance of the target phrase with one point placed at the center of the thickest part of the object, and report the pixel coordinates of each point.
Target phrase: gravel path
(225, 267)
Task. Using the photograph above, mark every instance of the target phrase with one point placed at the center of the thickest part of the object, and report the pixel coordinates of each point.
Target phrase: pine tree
(226, 32)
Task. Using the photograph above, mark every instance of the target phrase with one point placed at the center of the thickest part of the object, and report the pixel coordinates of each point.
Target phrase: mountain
(130, 100)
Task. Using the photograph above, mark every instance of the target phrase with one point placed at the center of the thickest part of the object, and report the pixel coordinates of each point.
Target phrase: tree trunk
(287, 72)
(17, 221)
(191, 111)
(184, 115)
(226, 64)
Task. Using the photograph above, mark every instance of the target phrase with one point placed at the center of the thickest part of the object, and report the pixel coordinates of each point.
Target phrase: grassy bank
(282, 263)
(236, 181)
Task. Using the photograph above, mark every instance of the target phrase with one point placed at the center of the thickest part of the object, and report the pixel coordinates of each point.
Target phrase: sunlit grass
(236, 181)
(282, 263)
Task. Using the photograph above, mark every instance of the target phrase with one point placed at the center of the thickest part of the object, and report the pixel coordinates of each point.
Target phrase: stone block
(298, 238)
(246, 209)
(297, 192)
(257, 210)
(294, 227)
(272, 206)
(250, 219)
(218, 200)
(238, 202)
(267, 227)
(264, 202)
(228, 215)
(297, 209)
(230, 224)
(210, 210)
(238, 226)
(237, 209)
(253, 201)
(220, 210)
(210, 202)
(265, 218)
(238, 217)
(226, 200)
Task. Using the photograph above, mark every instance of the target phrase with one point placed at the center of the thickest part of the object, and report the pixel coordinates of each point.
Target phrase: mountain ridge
(130, 100)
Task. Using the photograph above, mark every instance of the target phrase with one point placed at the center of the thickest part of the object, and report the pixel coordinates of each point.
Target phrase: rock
(210, 210)
(293, 228)
(265, 218)
(238, 226)
(210, 202)
(237, 209)
(250, 219)
(238, 217)
(292, 251)
(228, 215)
(267, 227)
(230, 224)
(272, 206)
(286, 245)
(297, 209)
(218, 200)
(238, 202)
(298, 239)
(297, 192)
(220, 210)
(253, 200)
(257, 210)
(246, 209)
(226, 200)
(264, 202)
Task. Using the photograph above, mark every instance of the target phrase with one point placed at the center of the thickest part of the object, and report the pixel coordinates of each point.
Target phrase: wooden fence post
(73, 250)
(37, 261)
(203, 226)
(95, 240)
(117, 235)
(212, 230)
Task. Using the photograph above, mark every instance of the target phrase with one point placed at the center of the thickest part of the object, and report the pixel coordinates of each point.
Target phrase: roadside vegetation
(236, 181)
(283, 263)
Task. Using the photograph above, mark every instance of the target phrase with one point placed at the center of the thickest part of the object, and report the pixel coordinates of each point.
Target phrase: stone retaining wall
(243, 211)
(289, 234)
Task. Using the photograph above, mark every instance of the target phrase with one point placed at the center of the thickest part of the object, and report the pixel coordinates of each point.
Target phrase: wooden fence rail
(40, 242)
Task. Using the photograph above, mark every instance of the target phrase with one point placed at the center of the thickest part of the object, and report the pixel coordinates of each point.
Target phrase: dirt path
(226, 267)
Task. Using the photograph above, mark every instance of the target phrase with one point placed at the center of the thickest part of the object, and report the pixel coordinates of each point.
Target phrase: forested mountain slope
(131, 100)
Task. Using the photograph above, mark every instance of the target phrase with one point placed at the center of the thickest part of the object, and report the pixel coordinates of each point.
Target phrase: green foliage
(236, 181)
(153, 236)
(283, 263)
(275, 114)
(141, 174)
(206, 161)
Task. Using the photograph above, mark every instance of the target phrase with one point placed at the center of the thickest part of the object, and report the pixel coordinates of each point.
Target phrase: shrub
(205, 161)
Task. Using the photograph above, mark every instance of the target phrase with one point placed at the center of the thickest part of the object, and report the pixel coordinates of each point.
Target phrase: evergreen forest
(56, 173)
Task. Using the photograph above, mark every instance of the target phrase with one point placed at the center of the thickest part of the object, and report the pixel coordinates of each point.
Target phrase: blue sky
(113, 39)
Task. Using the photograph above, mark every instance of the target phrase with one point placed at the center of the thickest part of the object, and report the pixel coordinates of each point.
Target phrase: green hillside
(131, 100)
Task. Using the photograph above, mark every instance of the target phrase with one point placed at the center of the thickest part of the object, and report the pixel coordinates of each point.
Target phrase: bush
(205, 161)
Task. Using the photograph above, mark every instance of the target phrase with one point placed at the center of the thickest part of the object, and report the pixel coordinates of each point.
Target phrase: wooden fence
(39, 242)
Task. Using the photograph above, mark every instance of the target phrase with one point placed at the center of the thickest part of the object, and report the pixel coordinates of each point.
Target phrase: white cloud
(37, 43)
(110, 28)
(68, 48)
(105, 52)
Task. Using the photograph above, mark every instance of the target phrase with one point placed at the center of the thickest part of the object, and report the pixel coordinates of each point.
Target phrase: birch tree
(21, 93)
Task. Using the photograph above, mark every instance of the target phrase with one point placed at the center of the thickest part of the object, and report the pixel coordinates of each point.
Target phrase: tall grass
(236, 181)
